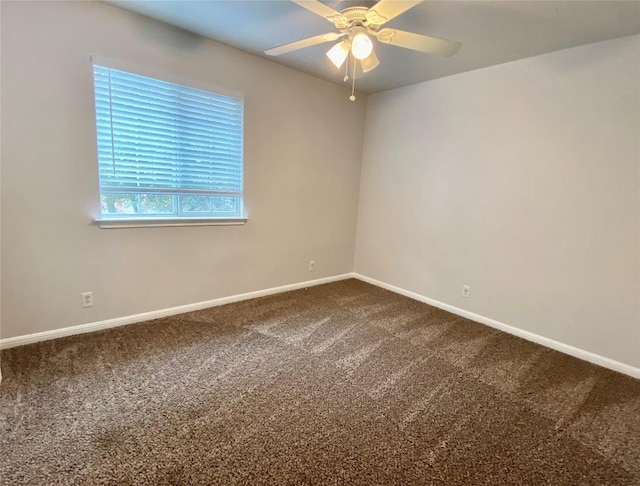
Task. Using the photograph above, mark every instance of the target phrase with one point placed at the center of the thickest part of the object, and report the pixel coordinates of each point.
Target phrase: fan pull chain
(346, 71)
(353, 82)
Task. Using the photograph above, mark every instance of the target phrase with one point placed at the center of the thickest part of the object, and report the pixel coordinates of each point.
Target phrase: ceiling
(491, 32)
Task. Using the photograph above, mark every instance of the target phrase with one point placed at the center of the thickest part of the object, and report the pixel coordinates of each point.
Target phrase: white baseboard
(145, 316)
(529, 336)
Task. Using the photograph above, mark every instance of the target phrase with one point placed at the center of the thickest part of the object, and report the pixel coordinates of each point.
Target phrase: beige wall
(302, 168)
(521, 180)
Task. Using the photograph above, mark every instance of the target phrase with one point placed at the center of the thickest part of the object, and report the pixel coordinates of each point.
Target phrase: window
(166, 151)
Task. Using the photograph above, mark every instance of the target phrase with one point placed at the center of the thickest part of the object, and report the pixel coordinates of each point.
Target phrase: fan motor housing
(355, 16)
(355, 13)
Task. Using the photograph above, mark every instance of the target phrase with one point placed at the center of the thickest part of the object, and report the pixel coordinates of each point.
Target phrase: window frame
(132, 220)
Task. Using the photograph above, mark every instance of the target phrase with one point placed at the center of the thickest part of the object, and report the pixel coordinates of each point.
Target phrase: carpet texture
(342, 383)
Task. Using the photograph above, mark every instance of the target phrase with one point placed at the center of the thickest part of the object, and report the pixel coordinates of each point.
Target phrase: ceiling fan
(356, 26)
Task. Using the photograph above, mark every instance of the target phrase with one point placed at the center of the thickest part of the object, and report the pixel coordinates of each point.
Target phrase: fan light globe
(361, 46)
(338, 53)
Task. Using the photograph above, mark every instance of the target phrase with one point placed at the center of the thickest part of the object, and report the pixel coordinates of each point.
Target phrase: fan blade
(339, 20)
(418, 42)
(385, 10)
(369, 63)
(308, 42)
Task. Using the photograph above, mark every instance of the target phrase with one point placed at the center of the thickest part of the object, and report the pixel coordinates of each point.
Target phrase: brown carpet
(339, 384)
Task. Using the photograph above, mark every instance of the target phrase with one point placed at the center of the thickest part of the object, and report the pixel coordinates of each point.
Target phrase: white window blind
(166, 150)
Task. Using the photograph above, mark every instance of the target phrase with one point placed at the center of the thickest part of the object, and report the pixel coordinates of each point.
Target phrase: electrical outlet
(466, 291)
(312, 265)
(86, 299)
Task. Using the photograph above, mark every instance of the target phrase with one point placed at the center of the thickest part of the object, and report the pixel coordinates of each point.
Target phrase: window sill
(158, 222)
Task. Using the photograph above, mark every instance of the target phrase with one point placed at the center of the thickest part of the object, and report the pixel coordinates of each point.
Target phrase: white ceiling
(491, 32)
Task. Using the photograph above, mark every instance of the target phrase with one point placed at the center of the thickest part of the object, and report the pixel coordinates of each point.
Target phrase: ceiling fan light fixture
(356, 26)
(338, 53)
(361, 46)
(370, 63)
